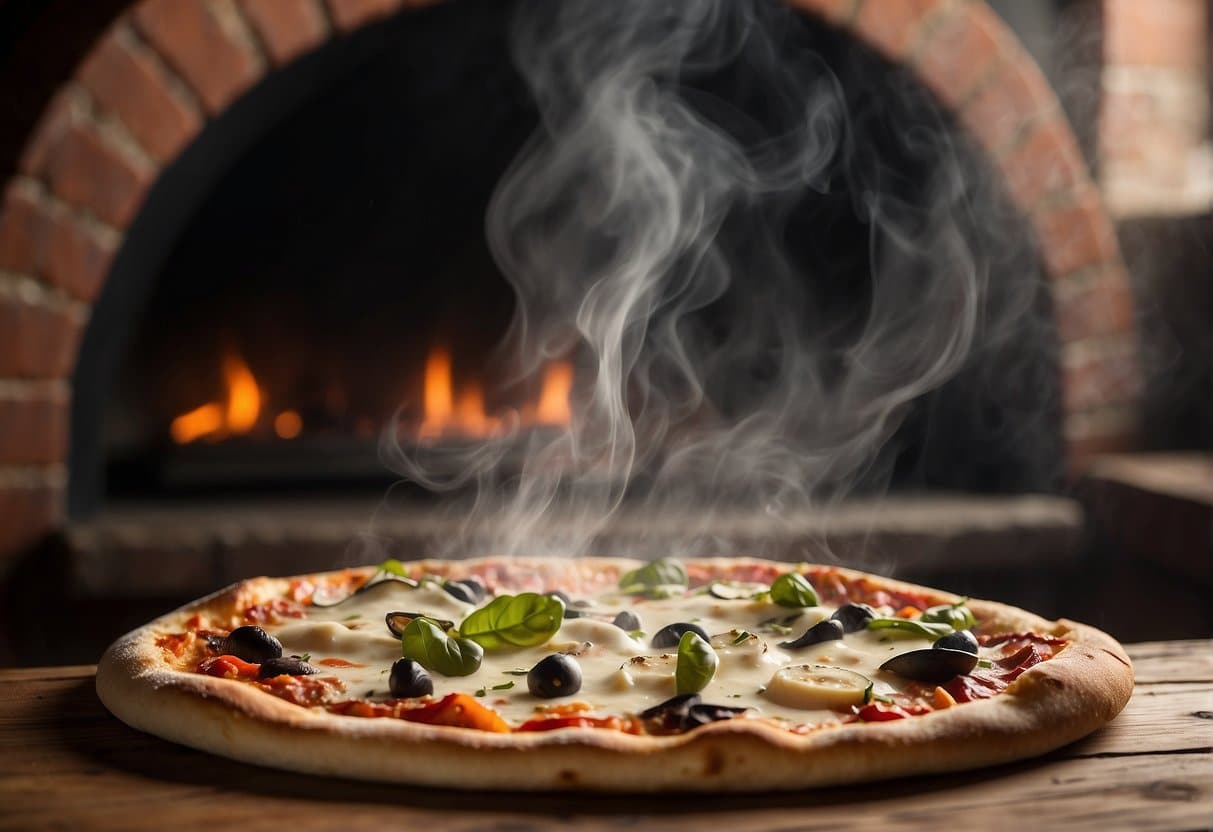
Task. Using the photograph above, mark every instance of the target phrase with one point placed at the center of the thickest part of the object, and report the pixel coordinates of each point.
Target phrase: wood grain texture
(66, 763)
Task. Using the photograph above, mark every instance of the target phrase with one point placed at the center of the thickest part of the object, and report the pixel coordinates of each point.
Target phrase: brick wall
(1154, 142)
(165, 67)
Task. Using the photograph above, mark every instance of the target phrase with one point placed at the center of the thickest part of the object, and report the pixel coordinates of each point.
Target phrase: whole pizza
(612, 675)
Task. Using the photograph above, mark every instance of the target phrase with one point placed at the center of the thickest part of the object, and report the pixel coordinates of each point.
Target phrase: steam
(645, 231)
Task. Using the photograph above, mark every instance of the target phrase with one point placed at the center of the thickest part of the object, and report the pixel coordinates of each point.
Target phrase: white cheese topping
(622, 673)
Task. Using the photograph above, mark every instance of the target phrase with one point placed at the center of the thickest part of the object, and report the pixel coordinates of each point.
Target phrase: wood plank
(1172, 661)
(1154, 792)
(71, 671)
(65, 762)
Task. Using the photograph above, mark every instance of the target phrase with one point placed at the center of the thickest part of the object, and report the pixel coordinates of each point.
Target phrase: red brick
(23, 229)
(287, 28)
(36, 341)
(60, 114)
(189, 36)
(133, 86)
(349, 15)
(33, 431)
(1076, 235)
(77, 257)
(833, 11)
(1158, 33)
(1048, 161)
(895, 28)
(91, 174)
(959, 53)
(1105, 307)
(27, 515)
(1102, 381)
(1007, 103)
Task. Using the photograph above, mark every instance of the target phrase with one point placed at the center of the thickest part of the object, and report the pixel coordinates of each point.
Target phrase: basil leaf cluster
(525, 620)
(652, 579)
(697, 663)
(793, 590)
(425, 643)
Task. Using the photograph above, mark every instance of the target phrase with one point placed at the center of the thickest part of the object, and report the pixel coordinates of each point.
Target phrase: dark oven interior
(339, 253)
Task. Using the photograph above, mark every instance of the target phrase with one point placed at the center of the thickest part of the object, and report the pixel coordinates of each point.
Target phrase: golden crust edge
(234, 720)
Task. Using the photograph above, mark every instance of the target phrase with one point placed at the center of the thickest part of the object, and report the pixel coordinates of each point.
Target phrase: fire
(554, 396)
(236, 415)
(461, 413)
(450, 410)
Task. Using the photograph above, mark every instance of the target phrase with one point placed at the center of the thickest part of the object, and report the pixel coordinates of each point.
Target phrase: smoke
(647, 231)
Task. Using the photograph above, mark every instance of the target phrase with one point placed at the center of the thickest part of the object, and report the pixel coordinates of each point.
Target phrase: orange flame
(554, 396)
(461, 413)
(216, 420)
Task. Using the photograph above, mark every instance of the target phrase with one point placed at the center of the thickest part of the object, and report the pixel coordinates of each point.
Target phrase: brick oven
(134, 164)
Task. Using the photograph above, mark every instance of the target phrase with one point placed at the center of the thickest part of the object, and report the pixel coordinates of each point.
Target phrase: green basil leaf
(910, 625)
(526, 620)
(957, 616)
(425, 643)
(793, 590)
(654, 579)
(697, 663)
(393, 567)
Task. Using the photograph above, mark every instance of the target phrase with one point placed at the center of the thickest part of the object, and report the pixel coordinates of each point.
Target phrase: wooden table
(65, 763)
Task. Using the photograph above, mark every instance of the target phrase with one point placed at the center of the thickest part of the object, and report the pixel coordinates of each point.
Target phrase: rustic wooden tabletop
(65, 763)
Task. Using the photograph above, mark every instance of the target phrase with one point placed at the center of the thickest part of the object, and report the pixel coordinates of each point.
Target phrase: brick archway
(165, 67)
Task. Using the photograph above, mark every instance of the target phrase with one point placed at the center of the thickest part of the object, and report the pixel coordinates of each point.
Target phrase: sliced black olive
(854, 617)
(628, 621)
(556, 675)
(828, 630)
(933, 665)
(563, 596)
(959, 640)
(569, 612)
(705, 713)
(397, 621)
(285, 666)
(467, 590)
(409, 679)
(671, 634)
(253, 644)
(216, 644)
(322, 600)
(684, 712)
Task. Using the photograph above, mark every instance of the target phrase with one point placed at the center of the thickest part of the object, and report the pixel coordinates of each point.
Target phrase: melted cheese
(620, 673)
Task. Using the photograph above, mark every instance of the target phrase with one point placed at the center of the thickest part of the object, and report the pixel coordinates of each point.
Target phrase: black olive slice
(285, 666)
(686, 711)
(467, 590)
(704, 713)
(671, 634)
(556, 675)
(935, 664)
(959, 640)
(409, 679)
(828, 630)
(397, 621)
(628, 621)
(854, 617)
(252, 644)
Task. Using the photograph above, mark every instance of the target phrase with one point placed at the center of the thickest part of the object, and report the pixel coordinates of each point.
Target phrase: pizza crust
(1051, 704)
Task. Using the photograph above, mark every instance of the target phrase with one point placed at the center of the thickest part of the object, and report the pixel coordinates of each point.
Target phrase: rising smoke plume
(645, 230)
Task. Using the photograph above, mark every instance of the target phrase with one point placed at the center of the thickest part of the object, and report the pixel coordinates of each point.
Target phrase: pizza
(608, 674)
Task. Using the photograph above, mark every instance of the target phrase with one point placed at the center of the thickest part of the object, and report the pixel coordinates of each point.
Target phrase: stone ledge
(137, 550)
